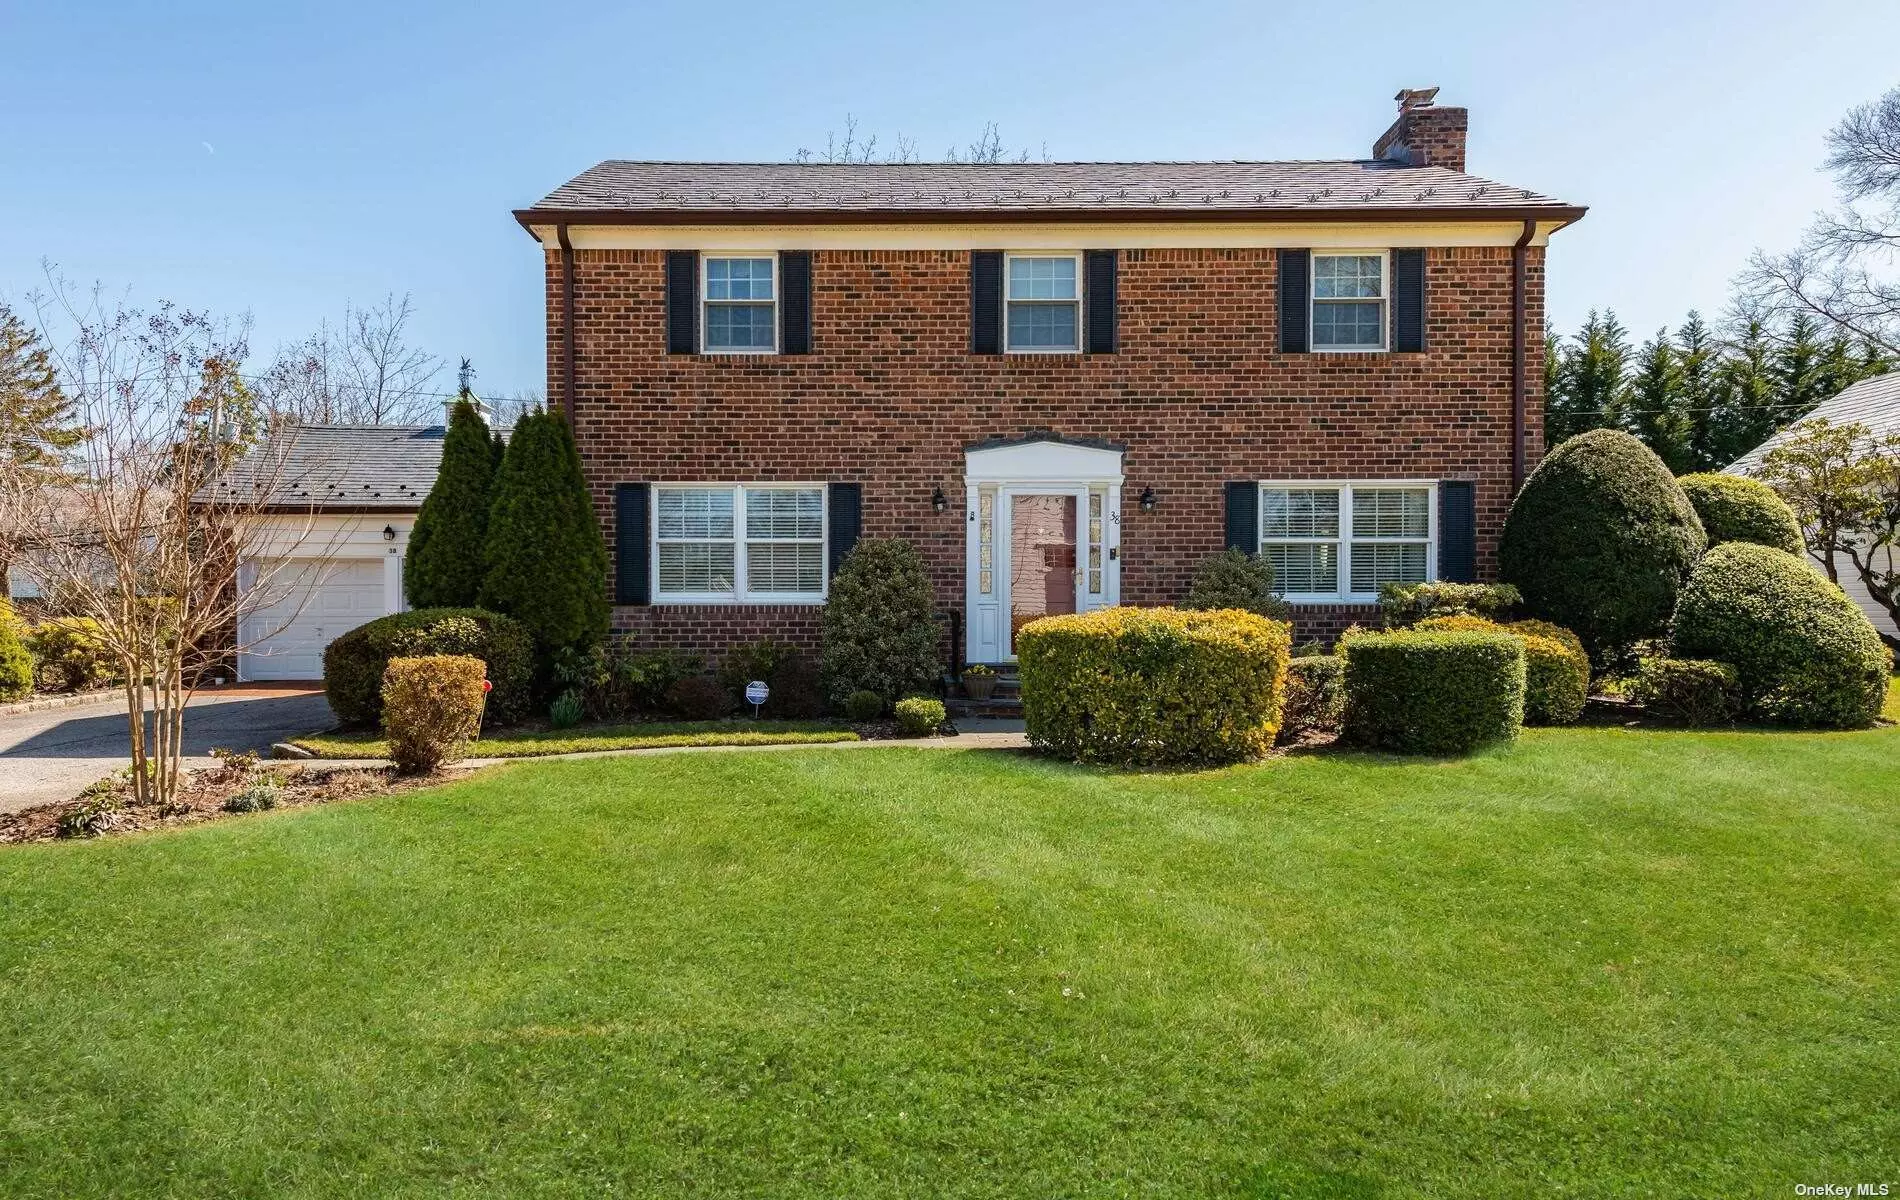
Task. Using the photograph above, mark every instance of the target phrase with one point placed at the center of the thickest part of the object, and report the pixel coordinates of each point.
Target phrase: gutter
(567, 324)
(1519, 258)
(560, 218)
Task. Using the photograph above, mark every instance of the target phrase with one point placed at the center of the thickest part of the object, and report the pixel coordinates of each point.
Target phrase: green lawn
(529, 743)
(1599, 963)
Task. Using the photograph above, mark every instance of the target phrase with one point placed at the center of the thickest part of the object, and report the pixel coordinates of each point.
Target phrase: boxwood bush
(1315, 696)
(1556, 670)
(1687, 691)
(432, 709)
(1420, 692)
(1403, 604)
(353, 665)
(1148, 686)
(1600, 540)
(1804, 654)
(1735, 508)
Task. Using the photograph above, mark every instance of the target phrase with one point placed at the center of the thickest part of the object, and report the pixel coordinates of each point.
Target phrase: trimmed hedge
(353, 665)
(1433, 693)
(1147, 686)
(1556, 670)
(1403, 604)
(1315, 696)
(1600, 540)
(432, 709)
(1687, 691)
(1735, 508)
(1804, 654)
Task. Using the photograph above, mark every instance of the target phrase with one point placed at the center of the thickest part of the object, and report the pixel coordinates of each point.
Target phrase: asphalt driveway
(50, 755)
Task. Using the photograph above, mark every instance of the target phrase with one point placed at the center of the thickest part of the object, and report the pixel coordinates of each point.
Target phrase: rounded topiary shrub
(353, 665)
(880, 625)
(1421, 692)
(1600, 540)
(918, 716)
(1735, 508)
(1804, 654)
(1147, 686)
(1235, 579)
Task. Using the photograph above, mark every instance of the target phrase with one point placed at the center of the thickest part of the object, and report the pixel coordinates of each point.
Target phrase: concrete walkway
(51, 754)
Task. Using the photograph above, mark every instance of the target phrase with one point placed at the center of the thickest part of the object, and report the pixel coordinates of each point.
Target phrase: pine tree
(1800, 369)
(36, 419)
(1652, 406)
(1589, 379)
(1745, 414)
(1699, 364)
(546, 563)
(445, 566)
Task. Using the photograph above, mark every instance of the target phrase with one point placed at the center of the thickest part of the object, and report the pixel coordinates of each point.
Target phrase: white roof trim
(1047, 461)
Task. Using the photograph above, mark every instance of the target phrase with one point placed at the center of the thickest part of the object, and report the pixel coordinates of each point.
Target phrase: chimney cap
(1411, 98)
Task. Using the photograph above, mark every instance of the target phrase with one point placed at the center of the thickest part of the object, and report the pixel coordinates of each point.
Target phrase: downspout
(567, 324)
(1519, 257)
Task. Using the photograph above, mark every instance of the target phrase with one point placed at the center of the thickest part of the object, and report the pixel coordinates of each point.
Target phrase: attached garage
(308, 605)
(329, 555)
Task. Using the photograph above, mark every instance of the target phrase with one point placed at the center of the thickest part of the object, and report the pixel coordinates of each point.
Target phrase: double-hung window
(1043, 296)
(739, 543)
(1349, 299)
(1341, 541)
(741, 304)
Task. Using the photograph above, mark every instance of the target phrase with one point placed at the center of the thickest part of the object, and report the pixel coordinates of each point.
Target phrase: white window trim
(739, 594)
(1345, 538)
(1081, 291)
(705, 267)
(1313, 302)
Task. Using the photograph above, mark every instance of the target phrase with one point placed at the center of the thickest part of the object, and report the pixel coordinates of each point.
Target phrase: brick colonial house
(1065, 383)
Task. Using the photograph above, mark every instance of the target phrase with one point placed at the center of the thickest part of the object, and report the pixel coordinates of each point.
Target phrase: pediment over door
(1043, 459)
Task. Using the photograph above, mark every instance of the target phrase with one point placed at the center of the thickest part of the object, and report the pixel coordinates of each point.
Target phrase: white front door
(1038, 550)
(309, 605)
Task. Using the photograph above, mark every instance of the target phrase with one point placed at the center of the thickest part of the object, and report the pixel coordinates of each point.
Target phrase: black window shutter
(794, 306)
(1457, 531)
(986, 301)
(844, 513)
(682, 301)
(1296, 287)
(632, 546)
(1408, 301)
(1243, 517)
(1099, 287)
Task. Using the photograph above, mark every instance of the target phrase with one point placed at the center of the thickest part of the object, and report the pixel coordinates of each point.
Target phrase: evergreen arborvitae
(546, 563)
(445, 564)
(36, 419)
(1589, 379)
(1653, 405)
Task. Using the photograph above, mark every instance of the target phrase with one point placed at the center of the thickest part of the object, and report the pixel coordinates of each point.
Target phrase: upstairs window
(740, 306)
(746, 543)
(1349, 298)
(1044, 297)
(1343, 541)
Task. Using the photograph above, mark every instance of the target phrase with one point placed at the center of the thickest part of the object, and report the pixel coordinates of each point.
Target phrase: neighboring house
(1065, 383)
(1874, 403)
(327, 554)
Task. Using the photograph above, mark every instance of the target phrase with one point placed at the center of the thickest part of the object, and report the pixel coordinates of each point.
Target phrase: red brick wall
(891, 395)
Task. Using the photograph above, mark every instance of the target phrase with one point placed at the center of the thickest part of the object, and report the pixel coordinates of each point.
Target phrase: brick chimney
(1424, 135)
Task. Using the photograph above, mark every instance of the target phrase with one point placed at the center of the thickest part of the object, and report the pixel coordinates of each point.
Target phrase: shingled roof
(1873, 402)
(622, 191)
(345, 468)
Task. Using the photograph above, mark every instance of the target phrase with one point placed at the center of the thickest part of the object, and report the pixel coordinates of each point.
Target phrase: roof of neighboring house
(347, 468)
(725, 192)
(1873, 402)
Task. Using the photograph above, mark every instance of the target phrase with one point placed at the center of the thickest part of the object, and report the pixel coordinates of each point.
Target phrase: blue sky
(282, 159)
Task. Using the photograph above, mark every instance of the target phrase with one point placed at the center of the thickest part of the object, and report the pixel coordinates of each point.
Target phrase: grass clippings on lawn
(530, 742)
(1600, 962)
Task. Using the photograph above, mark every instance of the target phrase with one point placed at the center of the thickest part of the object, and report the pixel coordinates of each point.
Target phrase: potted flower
(978, 681)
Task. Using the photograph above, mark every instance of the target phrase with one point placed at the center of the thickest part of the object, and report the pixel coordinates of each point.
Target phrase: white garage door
(311, 606)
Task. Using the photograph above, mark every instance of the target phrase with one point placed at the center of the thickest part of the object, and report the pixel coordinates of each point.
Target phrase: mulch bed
(201, 799)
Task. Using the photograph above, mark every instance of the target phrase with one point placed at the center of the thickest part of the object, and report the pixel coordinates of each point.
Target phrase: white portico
(1043, 535)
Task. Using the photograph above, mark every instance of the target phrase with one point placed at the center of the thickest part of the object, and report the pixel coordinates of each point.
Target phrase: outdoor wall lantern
(938, 501)
(389, 533)
(1148, 500)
